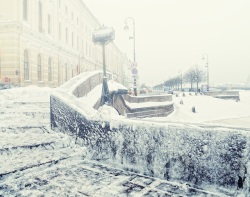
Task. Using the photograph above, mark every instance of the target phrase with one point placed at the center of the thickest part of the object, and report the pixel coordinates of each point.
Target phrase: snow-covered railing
(187, 153)
(84, 83)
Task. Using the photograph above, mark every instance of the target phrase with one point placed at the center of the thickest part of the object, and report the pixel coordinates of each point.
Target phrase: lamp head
(126, 28)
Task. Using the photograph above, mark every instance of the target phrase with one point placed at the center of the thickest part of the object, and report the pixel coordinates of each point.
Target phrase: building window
(59, 72)
(66, 35)
(59, 31)
(66, 72)
(49, 30)
(40, 17)
(49, 70)
(86, 49)
(77, 43)
(39, 68)
(26, 65)
(77, 69)
(72, 39)
(25, 10)
(82, 46)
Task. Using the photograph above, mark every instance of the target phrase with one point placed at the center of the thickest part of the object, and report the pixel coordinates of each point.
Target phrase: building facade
(47, 42)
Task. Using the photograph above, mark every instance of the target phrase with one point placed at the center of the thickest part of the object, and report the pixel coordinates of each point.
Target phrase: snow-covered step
(26, 129)
(9, 140)
(32, 114)
(146, 114)
(17, 119)
(10, 106)
(77, 177)
(25, 147)
(22, 158)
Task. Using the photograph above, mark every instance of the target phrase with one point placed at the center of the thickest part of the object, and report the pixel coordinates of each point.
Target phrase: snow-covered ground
(210, 110)
(36, 161)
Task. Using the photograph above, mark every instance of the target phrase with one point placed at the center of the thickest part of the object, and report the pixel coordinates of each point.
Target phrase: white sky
(172, 36)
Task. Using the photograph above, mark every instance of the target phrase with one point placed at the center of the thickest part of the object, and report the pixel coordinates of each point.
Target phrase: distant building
(47, 42)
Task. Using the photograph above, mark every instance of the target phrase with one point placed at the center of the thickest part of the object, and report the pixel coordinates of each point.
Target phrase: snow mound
(107, 112)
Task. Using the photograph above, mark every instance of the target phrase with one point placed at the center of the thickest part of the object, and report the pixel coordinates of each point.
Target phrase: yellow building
(47, 42)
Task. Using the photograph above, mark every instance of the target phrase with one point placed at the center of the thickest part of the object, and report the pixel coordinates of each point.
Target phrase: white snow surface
(24, 121)
(210, 110)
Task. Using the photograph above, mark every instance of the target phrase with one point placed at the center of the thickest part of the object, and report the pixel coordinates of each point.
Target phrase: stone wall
(150, 111)
(187, 153)
(224, 94)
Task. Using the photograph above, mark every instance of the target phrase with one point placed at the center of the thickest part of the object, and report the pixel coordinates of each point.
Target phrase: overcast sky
(172, 35)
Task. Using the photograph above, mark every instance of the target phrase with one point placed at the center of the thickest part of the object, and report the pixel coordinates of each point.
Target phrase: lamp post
(205, 57)
(103, 36)
(126, 28)
(181, 79)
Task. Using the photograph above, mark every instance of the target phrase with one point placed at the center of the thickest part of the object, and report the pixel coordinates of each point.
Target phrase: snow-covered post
(103, 36)
(126, 28)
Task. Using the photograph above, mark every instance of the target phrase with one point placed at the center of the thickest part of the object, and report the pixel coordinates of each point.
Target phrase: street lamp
(205, 57)
(181, 79)
(126, 28)
(104, 36)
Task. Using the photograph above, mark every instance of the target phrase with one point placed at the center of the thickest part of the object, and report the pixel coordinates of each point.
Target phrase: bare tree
(189, 77)
(199, 75)
(173, 82)
(143, 85)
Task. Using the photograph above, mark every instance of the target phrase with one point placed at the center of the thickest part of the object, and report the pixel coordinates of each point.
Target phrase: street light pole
(207, 69)
(181, 79)
(105, 90)
(126, 28)
(103, 36)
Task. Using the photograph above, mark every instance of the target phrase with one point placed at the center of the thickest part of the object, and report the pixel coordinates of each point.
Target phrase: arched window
(66, 72)
(77, 69)
(49, 25)
(59, 72)
(39, 68)
(25, 10)
(49, 70)
(26, 65)
(40, 17)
